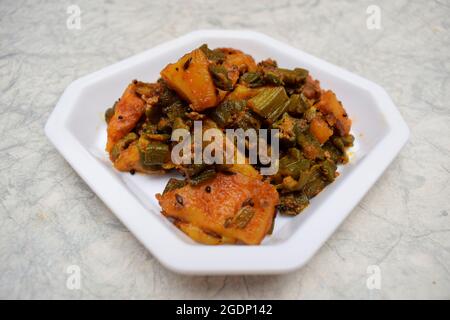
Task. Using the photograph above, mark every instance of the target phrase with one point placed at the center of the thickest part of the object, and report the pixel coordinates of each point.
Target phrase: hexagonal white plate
(77, 130)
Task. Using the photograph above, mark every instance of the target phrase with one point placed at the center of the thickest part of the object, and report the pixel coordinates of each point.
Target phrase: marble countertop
(51, 222)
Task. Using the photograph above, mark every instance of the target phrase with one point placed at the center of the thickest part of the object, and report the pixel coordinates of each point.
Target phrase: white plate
(77, 129)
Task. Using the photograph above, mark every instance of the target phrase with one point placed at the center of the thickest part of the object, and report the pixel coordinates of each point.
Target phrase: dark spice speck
(248, 202)
(179, 198)
(186, 64)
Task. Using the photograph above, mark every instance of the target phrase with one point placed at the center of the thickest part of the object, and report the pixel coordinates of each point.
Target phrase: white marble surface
(50, 219)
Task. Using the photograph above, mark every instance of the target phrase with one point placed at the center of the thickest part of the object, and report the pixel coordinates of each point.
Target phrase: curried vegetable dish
(224, 89)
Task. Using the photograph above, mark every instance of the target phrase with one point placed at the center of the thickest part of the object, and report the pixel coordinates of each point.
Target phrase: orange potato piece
(329, 104)
(242, 61)
(191, 79)
(212, 205)
(245, 169)
(320, 129)
(128, 111)
(242, 92)
(197, 234)
(128, 159)
(236, 63)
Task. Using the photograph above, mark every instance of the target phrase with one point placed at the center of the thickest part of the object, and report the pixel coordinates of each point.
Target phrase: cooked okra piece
(298, 104)
(174, 184)
(175, 110)
(220, 77)
(293, 164)
(329, 170)
(270, 103)
(122, 144)
(109, 113)
(293, 203)
(213, 55)
(292, 77)
(225, 114)
(156, 153)
(252, 79)
(203, 176)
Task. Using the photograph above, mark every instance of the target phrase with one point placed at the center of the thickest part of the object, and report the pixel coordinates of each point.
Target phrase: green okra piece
(109, 113)
(252, 79)
(309, 176)
(145, 89)
(270, 103)
(156, 153)
(213, 55)
(310, 113)
(179, 123)
(153, 113)
(247, 120)
(203, 176)
(175, 110)
(312, 188)
(167, 96)
(309, 144)
(241, 219)
(334, 153)
(272, 78)
(289, 128)
(293, 203)
(191, 170)
(348, 140)
(220, 77)
(292, 77)
(293, 164)
(174, 184)
(122, 144)
(329, 168)
(297, 104)
(226, 112)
